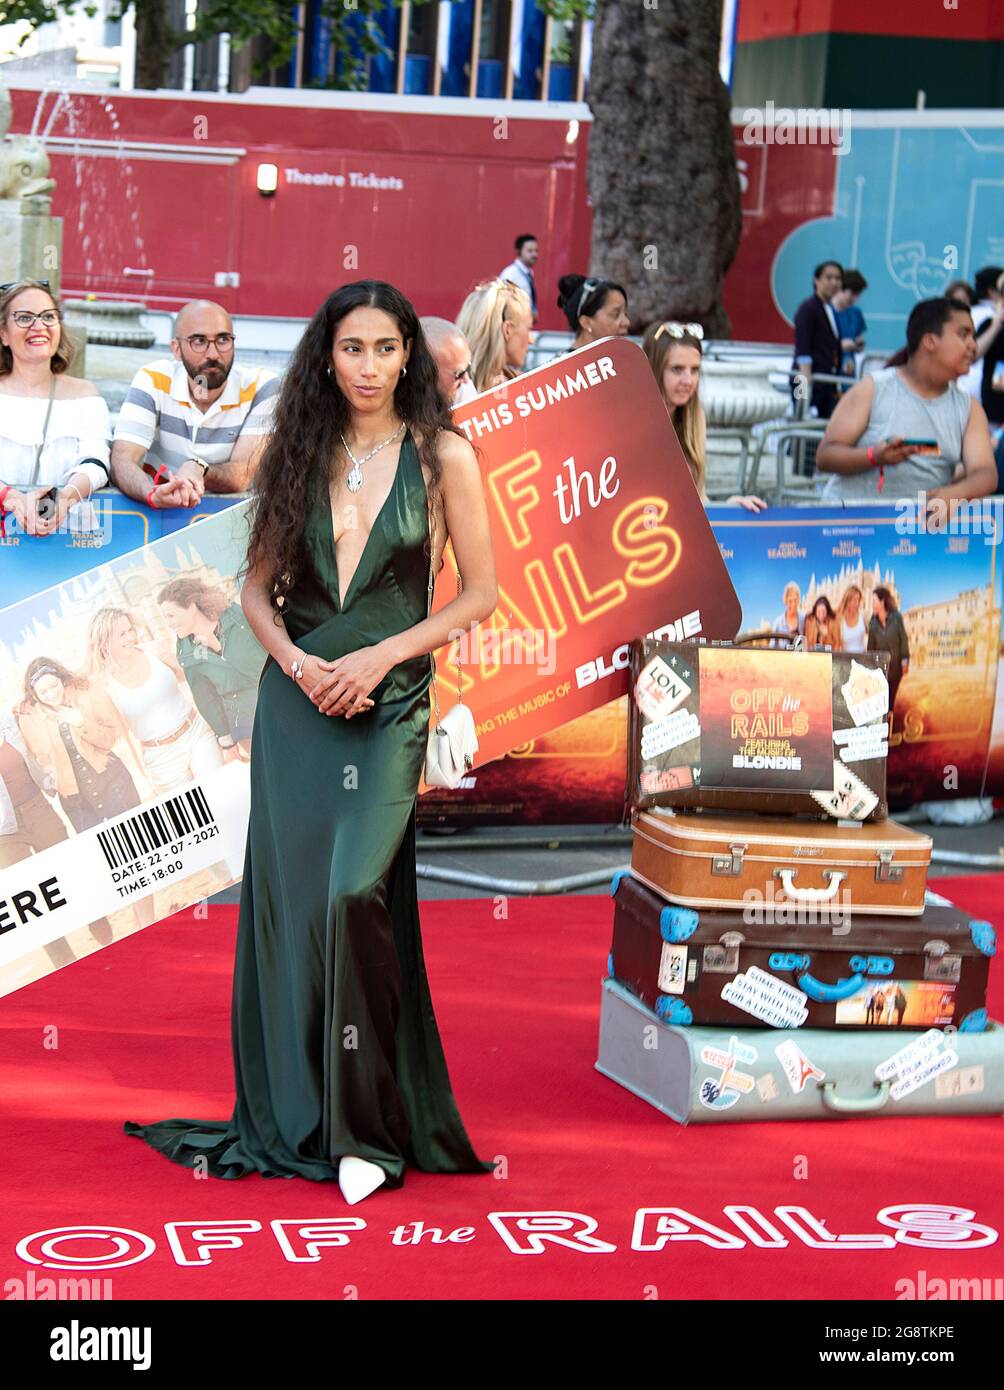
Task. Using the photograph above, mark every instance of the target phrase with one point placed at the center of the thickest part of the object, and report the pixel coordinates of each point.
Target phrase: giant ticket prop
(175, 830)
(599, 536)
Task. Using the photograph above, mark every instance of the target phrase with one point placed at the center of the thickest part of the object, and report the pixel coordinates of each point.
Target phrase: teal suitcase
(695, 1074)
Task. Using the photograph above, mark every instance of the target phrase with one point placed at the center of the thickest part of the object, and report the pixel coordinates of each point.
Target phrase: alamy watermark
(804, 126)
(784, 906)
(924, 1289)
(33, 1287)
(936, 516)
(506, 646)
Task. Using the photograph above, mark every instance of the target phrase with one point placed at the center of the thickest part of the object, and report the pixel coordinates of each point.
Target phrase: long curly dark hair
(311, 412)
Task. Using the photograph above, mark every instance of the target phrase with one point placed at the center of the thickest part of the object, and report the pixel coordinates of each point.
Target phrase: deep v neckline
(377, 521)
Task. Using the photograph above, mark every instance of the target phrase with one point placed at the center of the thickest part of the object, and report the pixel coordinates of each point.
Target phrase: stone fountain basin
(108, 323)
(738, 395)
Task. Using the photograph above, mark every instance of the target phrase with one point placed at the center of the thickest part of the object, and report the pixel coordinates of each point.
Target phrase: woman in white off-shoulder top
(54, 428)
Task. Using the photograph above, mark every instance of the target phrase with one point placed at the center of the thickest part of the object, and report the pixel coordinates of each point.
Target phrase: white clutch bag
(451, 749)
(453, 739)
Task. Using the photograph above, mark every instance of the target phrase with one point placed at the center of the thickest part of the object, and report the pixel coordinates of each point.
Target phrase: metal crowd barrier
(594, 878)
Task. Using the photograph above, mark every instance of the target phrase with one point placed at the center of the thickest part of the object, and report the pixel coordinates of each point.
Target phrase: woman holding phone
(54, 428)
(909, 430)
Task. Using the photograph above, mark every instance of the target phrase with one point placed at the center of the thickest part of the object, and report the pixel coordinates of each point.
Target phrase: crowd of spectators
(931, 421)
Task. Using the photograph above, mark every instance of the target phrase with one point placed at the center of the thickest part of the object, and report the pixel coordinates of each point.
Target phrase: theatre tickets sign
(599, 536)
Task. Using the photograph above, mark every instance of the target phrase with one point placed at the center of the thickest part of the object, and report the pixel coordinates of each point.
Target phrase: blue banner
(30, 564)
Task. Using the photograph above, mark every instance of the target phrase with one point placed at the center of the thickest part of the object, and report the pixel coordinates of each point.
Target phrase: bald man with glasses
(197, 423)
(452, 356)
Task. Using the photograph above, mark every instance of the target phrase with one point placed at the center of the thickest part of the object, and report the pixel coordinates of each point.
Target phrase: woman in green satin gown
(336, 1049)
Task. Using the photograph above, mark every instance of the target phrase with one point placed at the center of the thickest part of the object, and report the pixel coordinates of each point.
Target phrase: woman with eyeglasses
(675, 352)
(496, 319)
(54, 428)
(595, 308)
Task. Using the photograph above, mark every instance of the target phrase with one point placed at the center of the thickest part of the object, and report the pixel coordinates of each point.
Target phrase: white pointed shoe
(357, 1178)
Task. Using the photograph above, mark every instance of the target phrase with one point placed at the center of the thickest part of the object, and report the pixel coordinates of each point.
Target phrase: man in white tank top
(910, 429)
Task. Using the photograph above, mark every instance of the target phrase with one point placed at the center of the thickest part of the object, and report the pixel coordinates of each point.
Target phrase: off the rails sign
(599, 536)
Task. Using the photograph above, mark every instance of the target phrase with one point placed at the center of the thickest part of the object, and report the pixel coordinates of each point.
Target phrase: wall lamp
(268, 179)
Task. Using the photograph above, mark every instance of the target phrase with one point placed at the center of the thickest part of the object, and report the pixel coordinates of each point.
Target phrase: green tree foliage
(355, 32)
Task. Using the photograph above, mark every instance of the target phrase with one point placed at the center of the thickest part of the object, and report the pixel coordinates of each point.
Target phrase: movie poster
(766, 720)
(883, 573)
(946, 704)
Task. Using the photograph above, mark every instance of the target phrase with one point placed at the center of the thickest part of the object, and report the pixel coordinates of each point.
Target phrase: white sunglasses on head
(680, 330)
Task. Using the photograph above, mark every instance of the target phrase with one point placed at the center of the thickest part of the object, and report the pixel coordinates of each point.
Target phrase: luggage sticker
(766, 725)
(948, 968)
(960, 1081)
(721, 960)
(918, 1063)
(679, 727)
(667, 779)
(861, 744)
(797, 1067)
(866, 694)
(672, 969)
(898, 1004)
(767, 1088)
(723, 1091)
(850, 798)
(660, 688)
(768, 998)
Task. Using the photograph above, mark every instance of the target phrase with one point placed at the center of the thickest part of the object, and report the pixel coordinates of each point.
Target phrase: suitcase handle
(859, 1105)
(830, 994)
(810, 895)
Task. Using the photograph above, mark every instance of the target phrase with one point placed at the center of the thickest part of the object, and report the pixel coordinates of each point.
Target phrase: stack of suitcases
(775, 950)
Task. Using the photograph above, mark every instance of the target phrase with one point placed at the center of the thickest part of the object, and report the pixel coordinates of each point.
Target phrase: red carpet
(143, 1033)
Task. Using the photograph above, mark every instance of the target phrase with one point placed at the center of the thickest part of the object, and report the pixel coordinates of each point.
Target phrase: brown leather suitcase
(727, 726)
(824, 870)
(714, 967)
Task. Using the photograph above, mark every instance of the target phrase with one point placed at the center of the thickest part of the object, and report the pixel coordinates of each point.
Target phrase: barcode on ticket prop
(131, 840)
(183, 840)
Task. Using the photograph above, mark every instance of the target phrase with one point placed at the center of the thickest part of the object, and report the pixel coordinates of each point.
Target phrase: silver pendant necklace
(355, 478)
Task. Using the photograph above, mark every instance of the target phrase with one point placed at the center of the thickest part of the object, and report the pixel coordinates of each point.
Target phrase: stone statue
(24, 166)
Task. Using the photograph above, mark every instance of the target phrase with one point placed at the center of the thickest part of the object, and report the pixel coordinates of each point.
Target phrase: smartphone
(46, 503)
(923, 446)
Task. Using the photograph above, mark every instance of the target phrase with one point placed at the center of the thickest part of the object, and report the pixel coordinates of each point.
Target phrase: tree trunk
(154, 43)
(662, 168)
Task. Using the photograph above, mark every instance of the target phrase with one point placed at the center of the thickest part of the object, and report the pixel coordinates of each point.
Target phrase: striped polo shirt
(159, 413)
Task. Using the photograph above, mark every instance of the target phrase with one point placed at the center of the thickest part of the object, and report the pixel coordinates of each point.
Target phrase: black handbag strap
(45, 430)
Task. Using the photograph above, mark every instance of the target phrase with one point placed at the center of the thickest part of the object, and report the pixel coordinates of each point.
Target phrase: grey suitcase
(696, 1074)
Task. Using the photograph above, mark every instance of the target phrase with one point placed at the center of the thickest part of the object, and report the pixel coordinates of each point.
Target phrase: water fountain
(31, 239)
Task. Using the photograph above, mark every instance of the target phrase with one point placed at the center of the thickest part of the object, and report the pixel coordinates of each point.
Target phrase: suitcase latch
(728, 865)
(886, 871)
(731, 940)
(936, 948)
